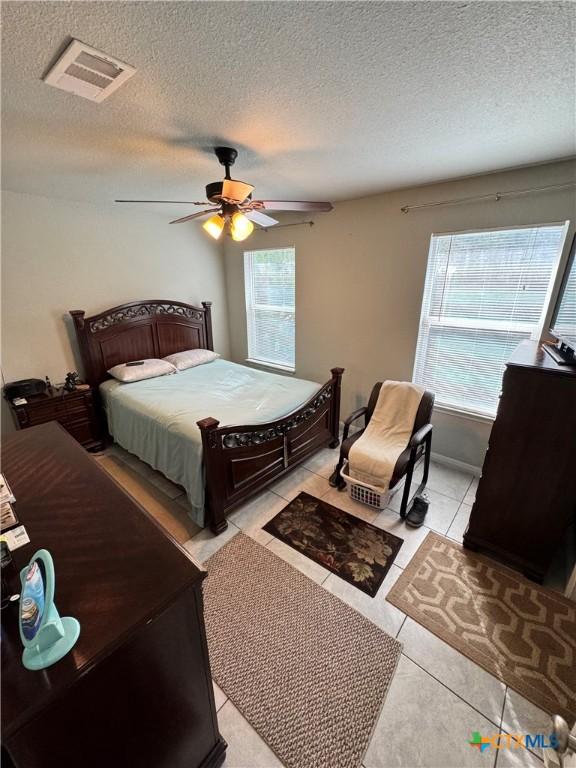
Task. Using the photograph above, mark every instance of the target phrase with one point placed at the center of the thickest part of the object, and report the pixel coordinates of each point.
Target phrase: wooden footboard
(240, 461)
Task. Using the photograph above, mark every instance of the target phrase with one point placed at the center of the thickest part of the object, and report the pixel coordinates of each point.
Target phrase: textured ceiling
(328, 100)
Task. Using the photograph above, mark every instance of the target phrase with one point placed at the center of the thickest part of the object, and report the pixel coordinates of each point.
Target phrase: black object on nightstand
(74, 410)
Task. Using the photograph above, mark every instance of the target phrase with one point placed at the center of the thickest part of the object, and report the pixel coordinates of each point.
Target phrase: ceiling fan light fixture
(214, 226)
(232, 199)
(240, 227)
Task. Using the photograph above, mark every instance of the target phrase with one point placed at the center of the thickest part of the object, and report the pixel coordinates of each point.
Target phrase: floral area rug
(358, 552)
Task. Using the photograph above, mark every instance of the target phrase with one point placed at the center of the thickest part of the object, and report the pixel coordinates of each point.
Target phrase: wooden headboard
(139, 330)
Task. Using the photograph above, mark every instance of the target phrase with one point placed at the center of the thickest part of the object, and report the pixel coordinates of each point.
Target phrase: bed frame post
(208, 324)
(78, 316)
(214, 500)
(335, 407)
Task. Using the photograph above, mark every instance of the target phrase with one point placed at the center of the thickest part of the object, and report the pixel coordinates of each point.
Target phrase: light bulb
(214, 226)
(240, 227)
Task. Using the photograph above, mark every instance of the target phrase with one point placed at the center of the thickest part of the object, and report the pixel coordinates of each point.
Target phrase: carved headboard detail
(138, 330)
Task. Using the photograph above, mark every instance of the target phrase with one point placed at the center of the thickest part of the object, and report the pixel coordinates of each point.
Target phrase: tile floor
(438, 696)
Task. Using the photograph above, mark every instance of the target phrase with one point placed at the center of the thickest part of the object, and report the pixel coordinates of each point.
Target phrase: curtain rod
(295, 224)
(496, 196)
(279, 226)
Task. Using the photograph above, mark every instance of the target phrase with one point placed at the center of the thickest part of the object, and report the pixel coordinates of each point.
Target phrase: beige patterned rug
(306, 670)
(520, 632)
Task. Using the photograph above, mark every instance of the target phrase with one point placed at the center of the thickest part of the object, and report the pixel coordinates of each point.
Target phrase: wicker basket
(364, 493)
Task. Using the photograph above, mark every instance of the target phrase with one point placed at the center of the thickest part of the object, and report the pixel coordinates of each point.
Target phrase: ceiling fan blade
(195, 216)
(292, 205)
(236, 191)
(171, 202)
(260, 218)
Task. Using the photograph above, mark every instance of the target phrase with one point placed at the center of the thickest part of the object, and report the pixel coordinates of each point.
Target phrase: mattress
(155, 419)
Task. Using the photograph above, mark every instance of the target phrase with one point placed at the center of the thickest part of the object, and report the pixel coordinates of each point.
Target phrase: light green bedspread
(156, 418)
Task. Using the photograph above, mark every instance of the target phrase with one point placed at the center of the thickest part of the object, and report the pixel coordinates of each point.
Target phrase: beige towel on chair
(373, 456)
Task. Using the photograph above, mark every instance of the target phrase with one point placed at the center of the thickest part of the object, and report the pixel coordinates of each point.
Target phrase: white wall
(360, 276)
(59, 255)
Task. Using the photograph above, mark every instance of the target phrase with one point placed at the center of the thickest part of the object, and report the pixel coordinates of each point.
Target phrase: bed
(267, 424)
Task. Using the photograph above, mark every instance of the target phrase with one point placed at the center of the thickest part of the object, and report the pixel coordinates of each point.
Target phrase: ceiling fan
(232, 204)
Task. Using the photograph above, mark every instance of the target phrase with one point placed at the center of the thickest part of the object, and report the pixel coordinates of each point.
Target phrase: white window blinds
(269, 278)
(484, 293)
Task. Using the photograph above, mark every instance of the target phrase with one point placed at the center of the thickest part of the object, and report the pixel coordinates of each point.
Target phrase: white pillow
(191, 358)
(149, 369)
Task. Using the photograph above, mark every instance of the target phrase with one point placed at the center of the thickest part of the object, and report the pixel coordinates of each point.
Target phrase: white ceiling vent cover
(89, 73)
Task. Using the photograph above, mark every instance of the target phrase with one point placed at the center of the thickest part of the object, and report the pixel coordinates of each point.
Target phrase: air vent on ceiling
(89, 73)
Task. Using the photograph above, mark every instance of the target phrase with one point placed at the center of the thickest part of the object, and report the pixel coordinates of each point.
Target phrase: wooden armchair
(420, 445)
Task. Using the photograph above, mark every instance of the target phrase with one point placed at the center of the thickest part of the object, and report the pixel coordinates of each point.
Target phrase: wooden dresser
(527, 493)
(136, 690)
(75, 411)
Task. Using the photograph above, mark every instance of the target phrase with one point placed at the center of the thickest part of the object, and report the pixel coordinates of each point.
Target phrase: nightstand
(75, 411)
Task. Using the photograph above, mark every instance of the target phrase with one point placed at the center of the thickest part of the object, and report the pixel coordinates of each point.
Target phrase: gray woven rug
(306, 670)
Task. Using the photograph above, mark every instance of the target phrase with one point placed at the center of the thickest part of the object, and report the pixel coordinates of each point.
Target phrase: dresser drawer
(73, 410)
(78, 409)
(81, 430)
(40, 414)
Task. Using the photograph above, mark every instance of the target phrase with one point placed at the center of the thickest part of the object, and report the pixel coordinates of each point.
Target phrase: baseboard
(456, 464)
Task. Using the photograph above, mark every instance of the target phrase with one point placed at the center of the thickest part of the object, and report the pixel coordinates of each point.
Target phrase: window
(270, 297)
(484, 293)
(564, 321)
